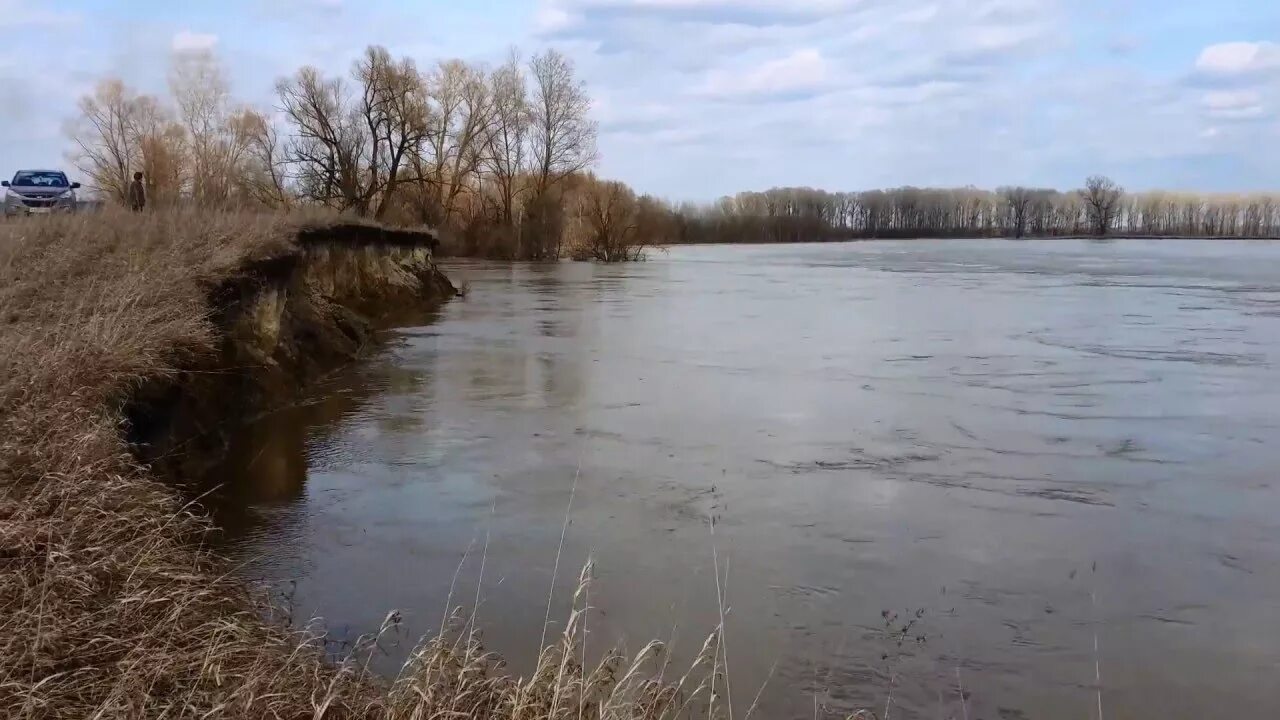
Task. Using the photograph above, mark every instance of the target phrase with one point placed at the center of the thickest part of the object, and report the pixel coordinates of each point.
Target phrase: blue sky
(698, 98)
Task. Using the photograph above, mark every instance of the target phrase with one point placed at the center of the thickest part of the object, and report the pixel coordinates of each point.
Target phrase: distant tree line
(497, 159)
(1100, 207)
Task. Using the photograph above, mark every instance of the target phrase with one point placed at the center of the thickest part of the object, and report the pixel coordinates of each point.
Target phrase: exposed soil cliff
(127, 336)
(281, 322)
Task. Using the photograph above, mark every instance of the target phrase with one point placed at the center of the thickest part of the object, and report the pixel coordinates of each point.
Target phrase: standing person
(137, 193)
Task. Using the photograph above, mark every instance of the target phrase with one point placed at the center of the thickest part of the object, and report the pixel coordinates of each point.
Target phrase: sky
(700, 98)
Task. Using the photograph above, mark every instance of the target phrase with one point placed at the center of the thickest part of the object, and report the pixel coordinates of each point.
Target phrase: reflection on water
(1021, 446)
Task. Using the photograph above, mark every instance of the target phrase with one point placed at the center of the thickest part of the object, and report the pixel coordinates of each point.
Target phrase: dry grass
(108, 605)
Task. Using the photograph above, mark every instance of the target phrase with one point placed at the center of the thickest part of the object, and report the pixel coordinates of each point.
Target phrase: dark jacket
(137, 195)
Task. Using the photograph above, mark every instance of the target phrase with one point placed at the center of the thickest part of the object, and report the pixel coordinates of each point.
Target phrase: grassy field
(109, 606)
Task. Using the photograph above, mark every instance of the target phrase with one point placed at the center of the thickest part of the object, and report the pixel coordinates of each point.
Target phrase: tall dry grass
(109, 605)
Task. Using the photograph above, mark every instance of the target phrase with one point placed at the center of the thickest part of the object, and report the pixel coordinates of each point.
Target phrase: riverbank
(126, 342)
(112, 319)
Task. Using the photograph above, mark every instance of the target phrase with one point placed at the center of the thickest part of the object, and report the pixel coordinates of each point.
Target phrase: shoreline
(125, 367)
(281, 324)
(130, 342)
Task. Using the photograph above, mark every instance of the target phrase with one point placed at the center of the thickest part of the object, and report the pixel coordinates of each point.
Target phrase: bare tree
(656, 224)
(107, 150)
(1102, 196)
(1041, 211)
(164, 152)
(470, 135)
(563, 136)
(266, 163)
(326, 150)
(562, 143)
(201, 92)
(608, 219)
(118, 133)
(507, 141)
(1018, 200)
(354, 153)
(393, 110)
(792, 214)
(461, 119)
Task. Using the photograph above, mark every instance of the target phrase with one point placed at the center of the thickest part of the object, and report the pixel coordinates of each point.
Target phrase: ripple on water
(1024, 425)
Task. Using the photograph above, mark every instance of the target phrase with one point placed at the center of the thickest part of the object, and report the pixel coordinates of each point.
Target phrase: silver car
(38, 192)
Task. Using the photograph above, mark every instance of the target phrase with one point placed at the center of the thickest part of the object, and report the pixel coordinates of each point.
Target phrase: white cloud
(187, 42)
(898, 85)
(558, 16)
(553, 18)
(920, 14)
(1233, 103)
(17, 13)
(802, 71)
(859, 93)
(303, 9)
(998, 38)
(630, 116)
(787, 6)
(1239, 58)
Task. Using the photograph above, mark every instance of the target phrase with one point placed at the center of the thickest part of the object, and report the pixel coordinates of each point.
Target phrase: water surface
(1029, 445)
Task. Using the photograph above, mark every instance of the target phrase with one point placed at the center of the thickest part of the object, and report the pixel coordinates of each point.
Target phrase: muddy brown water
(1032, 446)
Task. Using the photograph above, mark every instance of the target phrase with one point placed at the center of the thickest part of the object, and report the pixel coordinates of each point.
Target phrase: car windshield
(40, 179)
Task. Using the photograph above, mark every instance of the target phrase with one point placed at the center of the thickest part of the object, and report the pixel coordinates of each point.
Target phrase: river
(1058, 456)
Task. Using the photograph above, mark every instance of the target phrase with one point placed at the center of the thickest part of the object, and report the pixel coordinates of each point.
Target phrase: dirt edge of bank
(281, 323)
